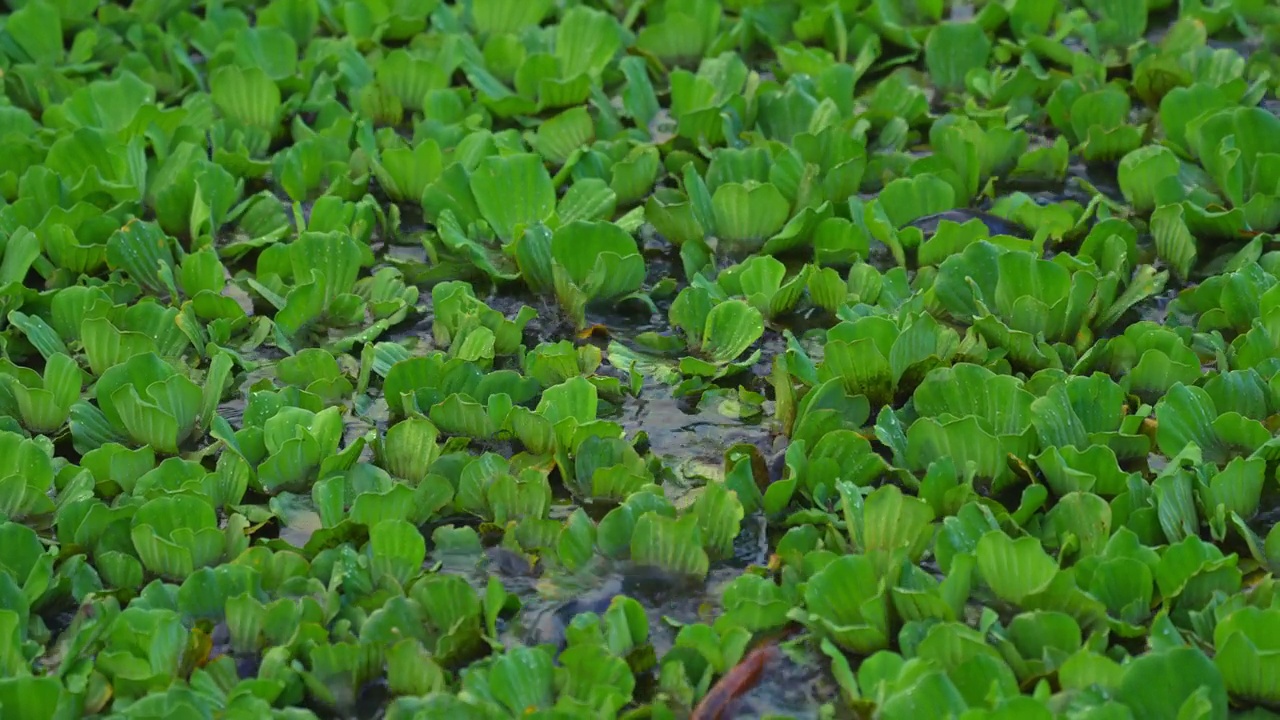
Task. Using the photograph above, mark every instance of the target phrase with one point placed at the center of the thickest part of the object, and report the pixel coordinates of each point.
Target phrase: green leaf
(887, 522)
(720, 516)
(587, 40)
(600, 258)
(143, 251)
(405, 173)
(495, 17)
(1141, 175)
(952, 50)
(1119, 24)
(848, 602)
(32, 697)
(731, 327)
(907, 199)
(1186, 415)
(248, 96)
(748, 214)
(522, 680)
(176, 534)
(33, 34)
(669, 544)
(1245, 656)
(396, 550)
(1014, 569)
(594, 678)
(1160, 684)
(513, 193)
(558, 137)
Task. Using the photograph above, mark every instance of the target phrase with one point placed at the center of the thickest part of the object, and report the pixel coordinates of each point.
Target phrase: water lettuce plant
(695, 358)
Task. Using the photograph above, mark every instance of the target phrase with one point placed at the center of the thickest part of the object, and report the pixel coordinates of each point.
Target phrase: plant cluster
(324, 326)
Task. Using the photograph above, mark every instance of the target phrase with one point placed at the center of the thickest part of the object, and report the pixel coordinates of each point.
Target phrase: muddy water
(690, 440)
(795, 683)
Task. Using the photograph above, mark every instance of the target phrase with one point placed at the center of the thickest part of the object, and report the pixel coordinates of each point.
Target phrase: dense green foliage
(331, 332)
